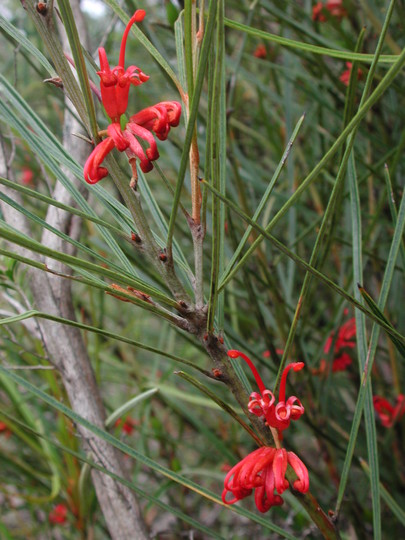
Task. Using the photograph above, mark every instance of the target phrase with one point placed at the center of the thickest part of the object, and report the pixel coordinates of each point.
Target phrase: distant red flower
(345, 76)
(159, 118)
(387, 413)
(127, 426)
(58, 514)
(267, 354)
(344, 340)
(334, 7)
(277, 415)
(341, 362)
(5, 429)
(260, 51)
(263, 470)
(27, 176)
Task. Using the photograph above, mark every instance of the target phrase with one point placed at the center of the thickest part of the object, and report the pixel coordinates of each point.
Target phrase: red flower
(267, 354)
(334, 7)
(386, 412)
(263, 470)
(115, 82)
(341, 363)
(5, 429)
(260, 51)
(127, 426)
(345, 76)
(58, 514)
(344, 340)
(159, 118)
(278, 415)
(27, 176)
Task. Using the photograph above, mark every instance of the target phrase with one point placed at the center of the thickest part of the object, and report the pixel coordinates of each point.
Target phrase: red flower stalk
(387, 413)
(334, 7)
(345, 76)
(263, 470)
(58, 514)
(159, 118)
(278, 415)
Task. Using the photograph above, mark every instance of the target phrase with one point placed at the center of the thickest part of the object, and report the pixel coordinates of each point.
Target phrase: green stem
(148, 244)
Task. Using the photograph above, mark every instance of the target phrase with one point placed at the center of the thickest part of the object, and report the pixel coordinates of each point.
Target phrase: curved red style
(278, 415)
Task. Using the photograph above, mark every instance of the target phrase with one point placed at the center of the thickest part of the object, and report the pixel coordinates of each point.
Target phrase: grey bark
(64, 344)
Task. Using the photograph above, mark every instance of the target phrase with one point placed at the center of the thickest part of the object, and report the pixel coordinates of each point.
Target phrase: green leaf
(375, 309)
(308, 47)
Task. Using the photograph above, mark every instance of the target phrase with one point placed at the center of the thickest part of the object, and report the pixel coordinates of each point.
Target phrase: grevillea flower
(267, 354)
(334, 7)
(263, 470)
(388, 413)
(58, 514)
(158, 119)
(345, 76)
(345, 339)
(127, 426)
(5, 429)
(27, 176)
(277, 415)
(115, 82)
(260, 51)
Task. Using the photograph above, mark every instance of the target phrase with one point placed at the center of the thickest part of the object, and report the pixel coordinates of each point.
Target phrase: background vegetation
(334, 219)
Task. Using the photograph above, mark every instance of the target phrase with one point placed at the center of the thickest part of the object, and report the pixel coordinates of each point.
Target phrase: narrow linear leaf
(315, 49)
(375, 309)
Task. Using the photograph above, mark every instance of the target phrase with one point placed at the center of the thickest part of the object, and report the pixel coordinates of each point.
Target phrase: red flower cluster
(5, 429)
(345, 76)
(58, 514)
(127, 426)
(260, 51)
(264, 471)
(114, 85)
(277, 415)
(387, 413)
(27, 176)
(344, 340)
(334, 7)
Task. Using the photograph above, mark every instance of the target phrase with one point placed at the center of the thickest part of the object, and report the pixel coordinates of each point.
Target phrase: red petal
(302, 484)
(279, 469)
(115, 132)
(136, 149)
(92, 171)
